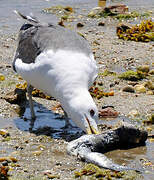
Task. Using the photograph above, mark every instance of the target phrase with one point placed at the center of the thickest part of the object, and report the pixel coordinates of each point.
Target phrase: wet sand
(45, 148)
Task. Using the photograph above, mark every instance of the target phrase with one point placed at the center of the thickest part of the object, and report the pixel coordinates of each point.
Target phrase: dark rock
(79, 25)
(101, 24)
(116, 9)
(18, 96)
(5, 163)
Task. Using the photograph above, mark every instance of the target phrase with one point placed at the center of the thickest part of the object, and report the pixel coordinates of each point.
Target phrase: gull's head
(84, 113)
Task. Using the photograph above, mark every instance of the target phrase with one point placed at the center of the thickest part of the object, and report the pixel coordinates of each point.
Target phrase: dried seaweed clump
(143, 32)
(35, 92)
(99, 93)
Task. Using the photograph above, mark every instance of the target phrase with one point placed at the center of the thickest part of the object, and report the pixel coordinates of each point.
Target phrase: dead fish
(90, 147)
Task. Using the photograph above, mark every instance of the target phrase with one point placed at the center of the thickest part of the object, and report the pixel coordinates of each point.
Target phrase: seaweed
(35, 92)
(132, 75)
(143, 32)
(131, 15)
(119, 12)
(96, 172)
(99, 93)
(107, 73)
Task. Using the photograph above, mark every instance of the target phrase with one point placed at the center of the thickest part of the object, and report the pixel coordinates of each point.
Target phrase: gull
(59, 62)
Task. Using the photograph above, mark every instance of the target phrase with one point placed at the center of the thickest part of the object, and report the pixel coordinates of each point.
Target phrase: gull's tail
(30, 18)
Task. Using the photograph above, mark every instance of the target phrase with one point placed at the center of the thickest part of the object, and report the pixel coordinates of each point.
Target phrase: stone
(149, 92)
(4, 132)
(151, 72)
(140, 88)
(79, 25)
(149, 85)
(2, 77)
(128, 88)
(133, 113)
(144, 68)
(101, 24)
(18, 96)
(117, 9)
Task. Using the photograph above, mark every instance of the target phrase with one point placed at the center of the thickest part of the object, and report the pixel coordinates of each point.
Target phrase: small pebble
(149, 85)
(151, 72)
(100, 83)
(140, 89)
(133, 113)
(151, 140)
(144, 68)
(13, 159)
(5, 163)
(149, 92)
(4, 132)
(128, 89)
(37, 153)
(2, 77)
(79, 25)
(101, 24)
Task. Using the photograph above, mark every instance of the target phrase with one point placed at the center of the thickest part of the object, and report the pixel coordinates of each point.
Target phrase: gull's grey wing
(34, 39)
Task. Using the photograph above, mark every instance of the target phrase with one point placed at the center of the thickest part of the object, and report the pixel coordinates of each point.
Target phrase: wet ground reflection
(47, 123)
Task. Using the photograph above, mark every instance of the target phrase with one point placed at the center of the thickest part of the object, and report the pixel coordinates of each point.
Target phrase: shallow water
(10, 22)
(47, 123)
(136, 157)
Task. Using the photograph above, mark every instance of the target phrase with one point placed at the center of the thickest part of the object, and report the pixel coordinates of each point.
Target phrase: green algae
(106, 12)
(132, 75)
(132, 15)
(107, 73)
(6, 139)
(92, 172)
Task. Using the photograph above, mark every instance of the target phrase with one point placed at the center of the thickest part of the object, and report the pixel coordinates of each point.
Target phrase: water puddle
(47, 123)
(138, 157)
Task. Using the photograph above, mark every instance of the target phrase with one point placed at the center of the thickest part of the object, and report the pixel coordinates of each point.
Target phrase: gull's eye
(92, 112)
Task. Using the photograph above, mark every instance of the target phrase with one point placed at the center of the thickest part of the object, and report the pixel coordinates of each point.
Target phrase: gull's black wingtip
(29, 18)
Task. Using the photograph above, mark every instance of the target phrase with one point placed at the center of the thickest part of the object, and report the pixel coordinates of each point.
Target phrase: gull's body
(60, 63)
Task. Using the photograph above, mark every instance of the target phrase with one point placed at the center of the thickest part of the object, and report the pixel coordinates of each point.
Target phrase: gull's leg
(29, 90)
(67, 122)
